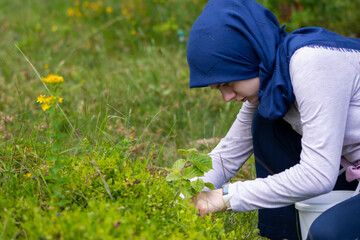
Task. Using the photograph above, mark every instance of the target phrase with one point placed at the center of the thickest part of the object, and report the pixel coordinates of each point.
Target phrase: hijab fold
(239, 39)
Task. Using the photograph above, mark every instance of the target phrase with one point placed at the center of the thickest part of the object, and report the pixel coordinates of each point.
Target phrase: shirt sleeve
(322, 84)
(234, 149)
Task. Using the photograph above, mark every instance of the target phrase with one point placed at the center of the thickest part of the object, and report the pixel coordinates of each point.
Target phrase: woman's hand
(209, 202)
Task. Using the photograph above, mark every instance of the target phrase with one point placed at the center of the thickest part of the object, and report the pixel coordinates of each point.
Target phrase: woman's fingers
(210, 202)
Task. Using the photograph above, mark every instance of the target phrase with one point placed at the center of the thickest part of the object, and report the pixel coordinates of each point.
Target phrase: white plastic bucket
(311, 208)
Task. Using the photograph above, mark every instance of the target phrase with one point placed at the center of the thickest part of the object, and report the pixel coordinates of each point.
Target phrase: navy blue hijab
(240, 39)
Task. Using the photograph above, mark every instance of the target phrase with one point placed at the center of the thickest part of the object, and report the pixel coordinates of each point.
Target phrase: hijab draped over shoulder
(240, 39)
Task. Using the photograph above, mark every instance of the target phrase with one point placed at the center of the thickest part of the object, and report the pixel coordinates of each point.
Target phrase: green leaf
(187, 190)
(201, 161)
(169, 25)
(197, 185)
(186, 152)
(209, 185)
(192, 172)
(179, 164)
(173, 177)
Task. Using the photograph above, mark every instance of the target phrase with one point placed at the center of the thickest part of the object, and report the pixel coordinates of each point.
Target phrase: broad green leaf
(187, 190)
(173, 177)
(198, 185)
(209, 185)
(179, 164)
(186, 152)
(192, 172)
(201, 161)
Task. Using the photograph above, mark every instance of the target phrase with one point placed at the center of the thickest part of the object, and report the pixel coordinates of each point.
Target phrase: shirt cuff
(227, 198)
(232, 200)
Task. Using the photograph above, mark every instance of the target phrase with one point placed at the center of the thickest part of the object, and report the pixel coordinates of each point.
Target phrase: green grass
(127, 109)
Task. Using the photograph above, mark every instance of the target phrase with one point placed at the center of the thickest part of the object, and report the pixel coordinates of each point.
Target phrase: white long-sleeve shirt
(326, 84)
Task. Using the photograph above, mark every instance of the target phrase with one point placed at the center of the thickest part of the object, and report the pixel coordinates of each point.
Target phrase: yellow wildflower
(70, 12)
(41, 99)
(28, 175)
(133, 32)
(86, 4)
(48, 102)
(124, 11)
(77, 3)
(45, 107)
(96, 6)
(78, 13)
(54, 28)
(53, 78)
(109, 9)
(131, 138)
(46, 66)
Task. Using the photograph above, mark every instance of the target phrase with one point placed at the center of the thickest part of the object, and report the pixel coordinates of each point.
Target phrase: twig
(102, 178)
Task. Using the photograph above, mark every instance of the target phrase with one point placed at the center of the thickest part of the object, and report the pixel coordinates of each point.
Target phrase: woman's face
(243, 90)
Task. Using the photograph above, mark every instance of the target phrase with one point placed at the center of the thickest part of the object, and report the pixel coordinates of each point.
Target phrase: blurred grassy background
(124, 62)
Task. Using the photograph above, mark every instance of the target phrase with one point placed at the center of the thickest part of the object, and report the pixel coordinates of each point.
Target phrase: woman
(300, 116)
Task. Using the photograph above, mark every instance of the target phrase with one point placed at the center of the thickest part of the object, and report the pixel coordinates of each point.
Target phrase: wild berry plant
(184, 170)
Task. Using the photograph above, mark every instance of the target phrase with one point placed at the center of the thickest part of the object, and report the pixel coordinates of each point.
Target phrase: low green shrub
(102, 193)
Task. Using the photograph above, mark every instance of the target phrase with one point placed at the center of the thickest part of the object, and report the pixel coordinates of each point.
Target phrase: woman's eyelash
(222, 85)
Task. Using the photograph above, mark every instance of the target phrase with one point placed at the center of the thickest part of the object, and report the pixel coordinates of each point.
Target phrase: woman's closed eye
(223, 85)
(219, 85)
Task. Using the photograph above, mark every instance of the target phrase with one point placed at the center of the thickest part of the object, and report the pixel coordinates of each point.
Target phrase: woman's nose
(228, 95)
